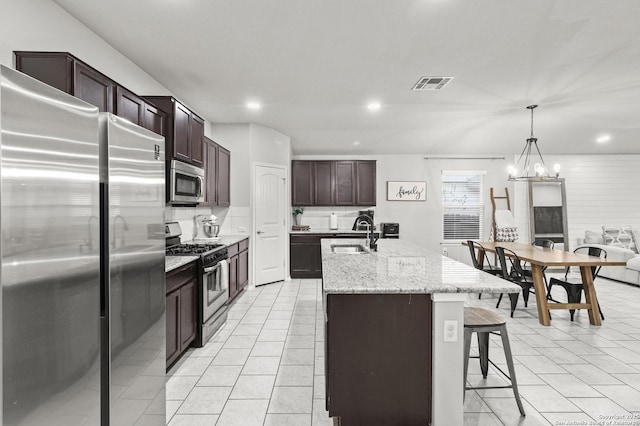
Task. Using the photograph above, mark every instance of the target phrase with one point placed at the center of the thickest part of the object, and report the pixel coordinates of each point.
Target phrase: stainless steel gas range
(213, 265)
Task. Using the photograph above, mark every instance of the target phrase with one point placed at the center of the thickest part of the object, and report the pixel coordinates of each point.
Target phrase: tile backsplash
(232, 220)
(318, 217)
(237, 220)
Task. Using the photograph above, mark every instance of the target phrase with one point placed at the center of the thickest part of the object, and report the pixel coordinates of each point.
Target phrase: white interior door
(270, 224)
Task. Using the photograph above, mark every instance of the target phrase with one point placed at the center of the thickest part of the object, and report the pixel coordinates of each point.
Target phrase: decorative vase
(297, 218)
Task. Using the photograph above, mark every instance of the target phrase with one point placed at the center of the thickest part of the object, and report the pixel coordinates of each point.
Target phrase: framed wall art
(406, 191)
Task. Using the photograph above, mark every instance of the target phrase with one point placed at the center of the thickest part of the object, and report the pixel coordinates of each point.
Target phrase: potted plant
(297, 215)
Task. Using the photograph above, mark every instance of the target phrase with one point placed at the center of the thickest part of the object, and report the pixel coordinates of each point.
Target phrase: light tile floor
(265, 366)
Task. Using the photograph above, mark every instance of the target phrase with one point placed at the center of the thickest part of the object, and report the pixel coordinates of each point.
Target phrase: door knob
(259, 232)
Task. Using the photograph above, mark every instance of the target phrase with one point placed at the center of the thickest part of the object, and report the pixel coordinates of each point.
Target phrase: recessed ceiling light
(374, 106)
(356, 142)
(603, 139)
(254, 105)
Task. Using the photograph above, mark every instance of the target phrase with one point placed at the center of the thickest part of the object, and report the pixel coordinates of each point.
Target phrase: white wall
(250, 144)
(600, 191)
(269, 146)
(42, 25)
(420, 221)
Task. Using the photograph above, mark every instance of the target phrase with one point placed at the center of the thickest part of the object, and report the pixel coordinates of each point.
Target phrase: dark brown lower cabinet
(305, 256)
(233, 277)
(181, 318)
(173, 326)
(238, 268)
(378, 358)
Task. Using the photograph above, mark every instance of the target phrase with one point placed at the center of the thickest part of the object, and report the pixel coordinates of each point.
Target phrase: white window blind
(462, 205)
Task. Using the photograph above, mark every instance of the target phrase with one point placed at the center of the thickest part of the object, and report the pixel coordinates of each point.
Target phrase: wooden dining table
(540, 257)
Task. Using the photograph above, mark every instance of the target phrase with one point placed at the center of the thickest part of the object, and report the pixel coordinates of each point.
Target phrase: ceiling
(315, 64)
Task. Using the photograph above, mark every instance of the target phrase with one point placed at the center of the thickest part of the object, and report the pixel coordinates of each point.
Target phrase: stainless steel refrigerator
(82, 248)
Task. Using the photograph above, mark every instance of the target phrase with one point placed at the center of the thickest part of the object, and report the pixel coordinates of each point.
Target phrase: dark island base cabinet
(181, 319)
(238, 268)
(378, 358)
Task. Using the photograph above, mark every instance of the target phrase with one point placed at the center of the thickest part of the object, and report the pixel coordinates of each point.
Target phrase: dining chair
(574, 287)
(490, 269)
(473, 246)
(510, 265)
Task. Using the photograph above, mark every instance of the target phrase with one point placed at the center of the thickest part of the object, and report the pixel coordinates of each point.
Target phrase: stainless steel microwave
(186, 185)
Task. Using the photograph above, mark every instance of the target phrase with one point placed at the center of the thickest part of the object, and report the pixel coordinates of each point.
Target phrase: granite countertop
(330, 231)
(174, 262)
(402, 267)
(227, 240)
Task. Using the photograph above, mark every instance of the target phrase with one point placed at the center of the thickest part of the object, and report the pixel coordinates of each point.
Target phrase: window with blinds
(462, 205)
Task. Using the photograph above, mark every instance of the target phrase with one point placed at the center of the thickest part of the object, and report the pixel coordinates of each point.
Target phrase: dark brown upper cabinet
(130, 106)
(345, 183)
(71, 75)
(154, 119)
(324, 181)
(54, 68)
(93, 87)
(333, 183)
(181, 129)
(217, 174)
(184, 130)
(302, 183)
(224, 177)
(196, 139)
(67, 73)
(365, 183)
(210, 172)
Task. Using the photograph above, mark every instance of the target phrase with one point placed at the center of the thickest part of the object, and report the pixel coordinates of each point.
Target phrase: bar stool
(484, 322)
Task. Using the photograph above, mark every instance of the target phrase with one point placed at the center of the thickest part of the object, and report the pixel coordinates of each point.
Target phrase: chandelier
(531, 164)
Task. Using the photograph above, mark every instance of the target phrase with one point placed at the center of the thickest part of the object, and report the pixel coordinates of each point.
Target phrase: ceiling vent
(432, 83)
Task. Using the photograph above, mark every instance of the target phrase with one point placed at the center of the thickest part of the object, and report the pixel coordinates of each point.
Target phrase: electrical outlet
(242, 229)
(450, 331)
(445, 252)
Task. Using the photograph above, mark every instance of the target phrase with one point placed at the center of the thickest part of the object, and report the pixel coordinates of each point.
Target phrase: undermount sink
(348, 248)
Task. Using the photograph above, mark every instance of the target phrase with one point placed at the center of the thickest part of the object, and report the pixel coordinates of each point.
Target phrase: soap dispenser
(333, 221)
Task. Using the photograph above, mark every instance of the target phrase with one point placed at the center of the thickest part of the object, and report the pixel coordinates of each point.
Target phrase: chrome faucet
(364, 219)
(89, 242)
(125, 227)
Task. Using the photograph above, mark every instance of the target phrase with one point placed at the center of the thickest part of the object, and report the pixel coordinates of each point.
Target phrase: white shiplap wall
(601, 190)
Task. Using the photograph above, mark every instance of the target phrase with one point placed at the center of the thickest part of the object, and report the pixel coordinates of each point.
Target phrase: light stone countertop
(227, 240)
(402, 267)
(174, 262)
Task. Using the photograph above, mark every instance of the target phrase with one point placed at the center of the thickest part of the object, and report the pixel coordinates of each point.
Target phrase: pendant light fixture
(531, 165)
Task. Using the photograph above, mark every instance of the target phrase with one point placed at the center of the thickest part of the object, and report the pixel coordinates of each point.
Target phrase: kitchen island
(393, 332)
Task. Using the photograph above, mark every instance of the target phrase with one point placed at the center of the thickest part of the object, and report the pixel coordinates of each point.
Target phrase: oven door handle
(212, 268)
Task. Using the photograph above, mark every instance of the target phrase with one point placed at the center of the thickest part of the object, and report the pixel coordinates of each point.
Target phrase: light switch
(450, 331)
